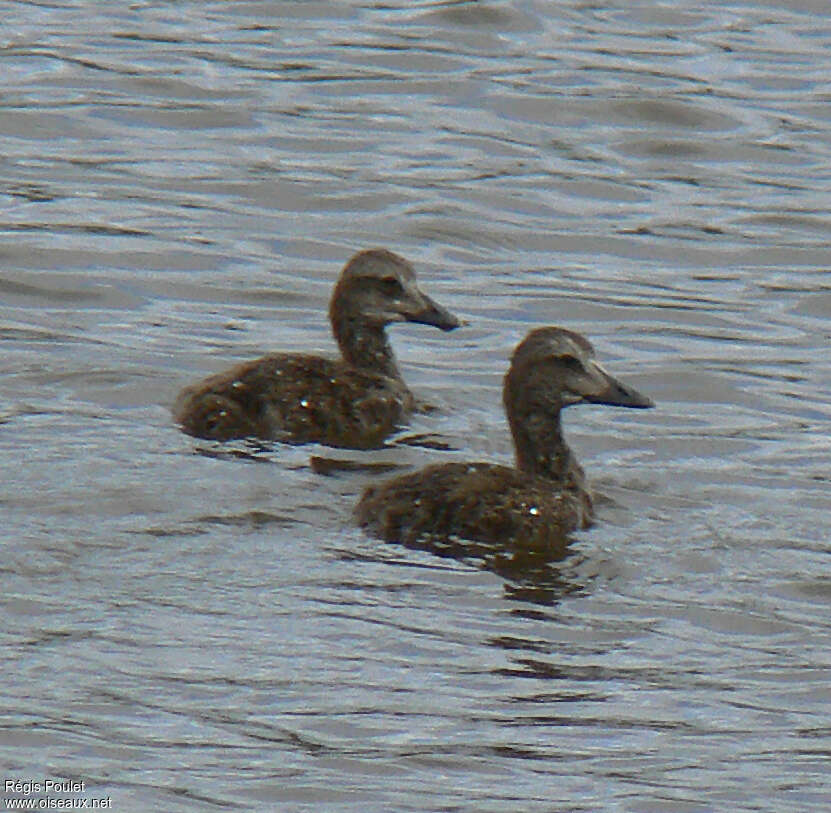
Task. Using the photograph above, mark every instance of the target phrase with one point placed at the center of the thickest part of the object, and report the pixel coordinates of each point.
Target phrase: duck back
(298, 399)
(482, 501)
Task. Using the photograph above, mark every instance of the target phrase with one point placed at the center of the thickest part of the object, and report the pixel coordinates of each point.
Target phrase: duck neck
(541, 450)
(364, 345)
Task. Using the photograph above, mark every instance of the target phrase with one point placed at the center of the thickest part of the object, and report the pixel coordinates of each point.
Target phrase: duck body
(480, 501)
(296, 398)
(352, 402)
(533, 505)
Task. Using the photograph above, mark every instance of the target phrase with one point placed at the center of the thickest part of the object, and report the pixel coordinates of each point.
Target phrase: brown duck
(351, 402)
(545, 496)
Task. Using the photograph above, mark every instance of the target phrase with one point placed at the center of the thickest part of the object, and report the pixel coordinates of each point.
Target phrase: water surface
(195, 626)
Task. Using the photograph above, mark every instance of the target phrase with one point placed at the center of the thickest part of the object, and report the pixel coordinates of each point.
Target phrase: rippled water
(192, 626)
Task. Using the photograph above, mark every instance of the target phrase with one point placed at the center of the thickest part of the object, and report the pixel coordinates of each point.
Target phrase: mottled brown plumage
(353, 402)
(533, 505)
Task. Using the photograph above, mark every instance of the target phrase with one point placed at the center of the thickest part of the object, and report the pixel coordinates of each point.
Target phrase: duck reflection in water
(352, 402)
(531, 507)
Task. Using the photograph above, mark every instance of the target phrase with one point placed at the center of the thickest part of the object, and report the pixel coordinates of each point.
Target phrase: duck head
(378, 287)
(554, 368)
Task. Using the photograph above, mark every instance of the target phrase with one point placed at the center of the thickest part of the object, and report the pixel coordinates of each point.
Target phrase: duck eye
(390, 286)
(572, 363)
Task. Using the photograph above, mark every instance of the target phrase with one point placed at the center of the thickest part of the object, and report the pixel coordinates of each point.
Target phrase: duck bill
(428, 312)
(613, 392)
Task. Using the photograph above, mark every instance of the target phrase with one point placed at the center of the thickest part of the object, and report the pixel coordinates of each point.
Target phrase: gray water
(192, 626)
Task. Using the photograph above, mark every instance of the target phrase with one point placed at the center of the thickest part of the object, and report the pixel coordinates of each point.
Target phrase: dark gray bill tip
(619, 394)
(642, 402)
(435, 315)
